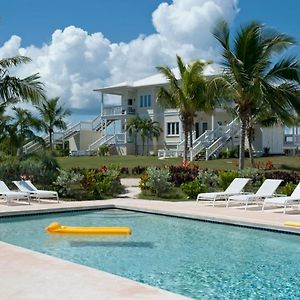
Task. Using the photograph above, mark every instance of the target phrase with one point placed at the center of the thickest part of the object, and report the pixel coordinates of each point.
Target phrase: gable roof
(157, 79)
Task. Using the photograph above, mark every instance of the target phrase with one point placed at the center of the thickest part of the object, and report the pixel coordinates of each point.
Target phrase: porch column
(212, 122)
(102, 104)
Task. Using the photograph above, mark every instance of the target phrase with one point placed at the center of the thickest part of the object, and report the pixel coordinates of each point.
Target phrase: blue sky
(121, 20)
(78, 46)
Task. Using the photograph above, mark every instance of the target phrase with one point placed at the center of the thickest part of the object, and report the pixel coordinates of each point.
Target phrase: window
(145, 101)
(173, 128)
(130, 102)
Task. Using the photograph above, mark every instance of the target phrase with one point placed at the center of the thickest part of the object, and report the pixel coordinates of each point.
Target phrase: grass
(130, 161)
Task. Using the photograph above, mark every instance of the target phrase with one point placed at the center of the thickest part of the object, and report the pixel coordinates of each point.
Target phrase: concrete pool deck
(30, 275)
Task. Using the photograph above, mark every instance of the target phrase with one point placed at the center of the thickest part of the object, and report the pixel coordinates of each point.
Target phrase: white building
(211, 132)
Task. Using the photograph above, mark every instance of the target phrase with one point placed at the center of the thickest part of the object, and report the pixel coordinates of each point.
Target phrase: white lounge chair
(8, 195)
(267, 189)
(28, 187)
(284, 201)
(235, 187)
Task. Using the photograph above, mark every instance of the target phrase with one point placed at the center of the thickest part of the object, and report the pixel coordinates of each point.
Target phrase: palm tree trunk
(186, 144)
(50, 140)
(250, 139)
(242, 142)
(135, 144)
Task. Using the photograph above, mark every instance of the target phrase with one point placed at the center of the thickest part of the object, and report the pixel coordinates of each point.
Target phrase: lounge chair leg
(263, 207)
(227, 204)
(246, 205)
(284, 210)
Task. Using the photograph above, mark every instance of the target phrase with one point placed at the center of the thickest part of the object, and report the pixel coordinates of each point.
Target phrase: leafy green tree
(51, 116)
(13, 88)
(133, 126)
(149, 130)
(16, 130)
(190, 93)
(257, 74)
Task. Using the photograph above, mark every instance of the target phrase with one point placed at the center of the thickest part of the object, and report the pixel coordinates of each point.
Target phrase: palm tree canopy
(52, 115)
(12, 88)
(251, 73)
(189, 93)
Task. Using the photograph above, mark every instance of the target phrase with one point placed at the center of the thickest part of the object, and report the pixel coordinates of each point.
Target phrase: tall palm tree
(51, 116)
(188, 94)
(133, 126)
(149, 130)
(257, 74)
(14, 88)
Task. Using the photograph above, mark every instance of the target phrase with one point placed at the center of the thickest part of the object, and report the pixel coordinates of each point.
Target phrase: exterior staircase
(211, 142)
(98, 124)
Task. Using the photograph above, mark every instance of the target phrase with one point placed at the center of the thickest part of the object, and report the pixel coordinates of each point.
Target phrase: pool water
(196, 259)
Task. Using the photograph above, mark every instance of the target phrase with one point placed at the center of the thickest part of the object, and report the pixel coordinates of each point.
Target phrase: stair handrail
(102, 140)
(230, 130)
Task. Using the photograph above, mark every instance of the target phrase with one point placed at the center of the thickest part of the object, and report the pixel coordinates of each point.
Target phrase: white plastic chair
(284, 201)
(28, 187)
(235, 187)
(8, 195)
(267, 189)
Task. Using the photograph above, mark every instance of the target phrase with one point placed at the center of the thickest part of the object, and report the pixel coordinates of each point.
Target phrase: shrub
(193, 188)
(158, 181)
(103, 150)
(226, 177)
(143, 182)
(287, 189)
(286, 176)
(42, 170)
(124, 170)
(68, 183)
(102, 182)
(180, 174)
(138, 170)
(208, 178)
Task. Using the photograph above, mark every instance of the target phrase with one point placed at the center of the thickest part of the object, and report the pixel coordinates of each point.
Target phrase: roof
(157, 79)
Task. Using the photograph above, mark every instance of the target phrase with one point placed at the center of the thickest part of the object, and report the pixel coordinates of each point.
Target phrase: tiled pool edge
(217, 220)
(21, 267)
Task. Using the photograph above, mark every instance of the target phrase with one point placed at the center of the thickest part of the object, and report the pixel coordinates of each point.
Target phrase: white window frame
(172, 129)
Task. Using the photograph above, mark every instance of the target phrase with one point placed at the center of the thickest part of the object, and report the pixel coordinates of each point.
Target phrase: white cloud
(74, 62)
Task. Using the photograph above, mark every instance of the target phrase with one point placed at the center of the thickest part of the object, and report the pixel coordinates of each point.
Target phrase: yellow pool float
(294, 224)
(57, 228)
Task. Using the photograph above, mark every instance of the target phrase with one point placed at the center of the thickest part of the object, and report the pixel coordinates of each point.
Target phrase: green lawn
(130, 161)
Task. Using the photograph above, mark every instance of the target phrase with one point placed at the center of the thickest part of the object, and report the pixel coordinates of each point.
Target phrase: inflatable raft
(294, 224)
(60, 229)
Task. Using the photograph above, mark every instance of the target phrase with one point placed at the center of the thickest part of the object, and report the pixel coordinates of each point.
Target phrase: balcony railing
(117, 111)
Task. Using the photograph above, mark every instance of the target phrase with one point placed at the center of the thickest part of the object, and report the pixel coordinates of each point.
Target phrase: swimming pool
(196, 259)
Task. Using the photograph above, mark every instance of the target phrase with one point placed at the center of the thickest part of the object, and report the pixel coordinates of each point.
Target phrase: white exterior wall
(272, 138)
(82, 140)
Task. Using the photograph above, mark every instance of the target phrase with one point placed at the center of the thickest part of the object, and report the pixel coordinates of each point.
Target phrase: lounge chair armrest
(280, 195)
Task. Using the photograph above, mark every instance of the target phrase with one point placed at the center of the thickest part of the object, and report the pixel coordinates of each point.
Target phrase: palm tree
(51, 117)
(149, 130)
(252, 75)
(14, 88)
(133, 126)
(22, 126)
(189, 94)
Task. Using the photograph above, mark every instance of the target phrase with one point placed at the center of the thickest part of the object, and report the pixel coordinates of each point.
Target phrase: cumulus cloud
(75, 62)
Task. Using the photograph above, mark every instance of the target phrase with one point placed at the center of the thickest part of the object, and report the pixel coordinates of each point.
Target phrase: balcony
(117, 111)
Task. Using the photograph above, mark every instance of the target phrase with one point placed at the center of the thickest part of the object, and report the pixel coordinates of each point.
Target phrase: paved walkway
(31, 275)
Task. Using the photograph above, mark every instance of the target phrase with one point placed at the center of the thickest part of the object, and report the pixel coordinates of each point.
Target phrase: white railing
(113, 111)
(109, 139)
(162, 154)
(229, 132)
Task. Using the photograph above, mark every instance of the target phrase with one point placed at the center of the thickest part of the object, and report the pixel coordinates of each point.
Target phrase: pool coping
(217, 220)
(145, 207)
